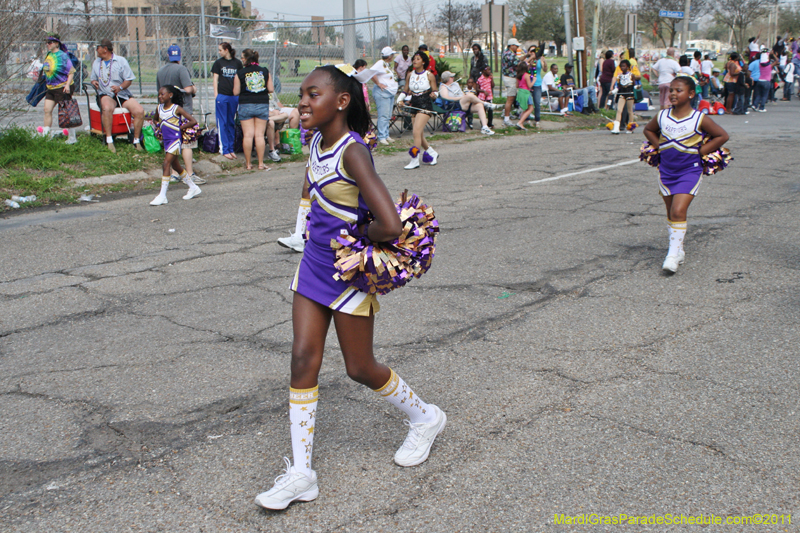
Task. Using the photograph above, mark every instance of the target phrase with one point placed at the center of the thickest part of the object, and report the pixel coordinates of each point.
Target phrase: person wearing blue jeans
(226, 103)
(761, 95)
(384, 92)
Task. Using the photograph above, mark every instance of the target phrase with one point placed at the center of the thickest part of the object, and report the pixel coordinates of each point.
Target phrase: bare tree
(667, 29)
(415, 15)
(462, 23)
(738, 15)
(611, 22)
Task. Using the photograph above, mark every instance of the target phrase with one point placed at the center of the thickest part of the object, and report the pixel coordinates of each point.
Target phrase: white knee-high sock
(164, 185)
(399, 394)
(677, 232)
(303, 418)
(302, 213)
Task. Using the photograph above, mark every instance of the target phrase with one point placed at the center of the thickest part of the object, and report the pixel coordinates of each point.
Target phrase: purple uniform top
(681, 166)
(336, 206)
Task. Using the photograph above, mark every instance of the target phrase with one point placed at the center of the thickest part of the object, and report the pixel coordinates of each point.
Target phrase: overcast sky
(332, 9)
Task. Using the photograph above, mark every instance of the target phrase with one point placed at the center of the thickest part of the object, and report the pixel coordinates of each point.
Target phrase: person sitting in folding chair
(111, 77)
(549, 83)
(450, 92)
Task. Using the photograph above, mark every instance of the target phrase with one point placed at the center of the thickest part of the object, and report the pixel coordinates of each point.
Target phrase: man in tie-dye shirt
(58, 74)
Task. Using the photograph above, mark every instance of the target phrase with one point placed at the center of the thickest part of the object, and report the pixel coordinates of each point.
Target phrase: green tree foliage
(789, 21)
(738, 15)
(541, 20)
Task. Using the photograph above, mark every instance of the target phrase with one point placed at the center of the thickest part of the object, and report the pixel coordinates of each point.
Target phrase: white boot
(616, 128)
(430, 156)
(72, 139)
(414, 153)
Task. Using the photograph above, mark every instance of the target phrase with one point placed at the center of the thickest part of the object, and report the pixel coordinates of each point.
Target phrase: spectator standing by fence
(225, 102)
(177, 75)
(59, 73)
(111, 77)
(384, 91)
(477, 62)
(508, 69)
(606, 75)
(253, 86)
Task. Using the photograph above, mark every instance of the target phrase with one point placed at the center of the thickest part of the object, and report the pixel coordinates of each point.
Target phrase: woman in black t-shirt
(224, 70)
(253, 84)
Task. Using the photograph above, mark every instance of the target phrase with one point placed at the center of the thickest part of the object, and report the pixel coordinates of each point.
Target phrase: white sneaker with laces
(275, 156)
(390, 139)
(384, 141)
(506, 122)
(194, 191)
(159, 200)
(486, 131)
(197, 179)
(293, 242)
(671, 262)
(419, 440)
(293, 486)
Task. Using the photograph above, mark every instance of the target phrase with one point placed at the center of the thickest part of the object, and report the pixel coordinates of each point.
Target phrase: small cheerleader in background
(683, 137)
(419, 92)
(168, 116)
(344, 190)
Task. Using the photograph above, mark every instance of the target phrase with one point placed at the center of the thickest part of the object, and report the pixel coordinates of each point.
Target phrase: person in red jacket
(432, 62)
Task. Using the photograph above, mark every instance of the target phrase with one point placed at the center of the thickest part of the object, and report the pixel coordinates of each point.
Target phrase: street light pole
(685, 33)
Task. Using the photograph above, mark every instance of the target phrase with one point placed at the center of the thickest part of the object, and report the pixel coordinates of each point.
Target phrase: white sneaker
(274, 155)
(293, 242)
(384, 141)
(419, 440)
(671, 262)
(293, 486)
(160, 200)
(197, 179)
(615, 131)
(506, 122)
(194, 191)
(71, 140)
(174, 179)
(486, 131)
(390, 139)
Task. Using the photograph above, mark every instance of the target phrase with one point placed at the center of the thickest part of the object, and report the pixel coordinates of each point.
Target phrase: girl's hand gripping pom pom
(650, 155)
(375, 267)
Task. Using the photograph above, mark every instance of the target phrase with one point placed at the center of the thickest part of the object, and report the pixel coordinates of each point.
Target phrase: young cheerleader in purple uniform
(679, 132)
(343, 188)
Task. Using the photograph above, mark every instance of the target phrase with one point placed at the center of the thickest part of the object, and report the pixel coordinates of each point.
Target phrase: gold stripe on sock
(183, 174)
(305, 202)
(390, 386)
(302, 396)
(165, 178)
(678, 225)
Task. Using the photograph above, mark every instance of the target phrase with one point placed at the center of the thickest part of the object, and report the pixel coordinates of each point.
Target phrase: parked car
(690, 52)
(712, 55)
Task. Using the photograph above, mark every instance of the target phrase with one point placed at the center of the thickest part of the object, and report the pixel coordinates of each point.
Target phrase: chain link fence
(290, 50)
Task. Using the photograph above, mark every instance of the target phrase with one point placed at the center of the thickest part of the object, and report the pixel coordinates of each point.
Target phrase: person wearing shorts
(253, 85)
(508, 68)
(58, 72)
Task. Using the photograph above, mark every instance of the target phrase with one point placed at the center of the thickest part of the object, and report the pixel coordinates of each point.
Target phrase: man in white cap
(383, 92)
(508, 69)
(177, 75)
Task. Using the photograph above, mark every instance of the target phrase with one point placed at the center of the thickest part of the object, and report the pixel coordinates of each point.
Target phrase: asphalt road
(144, 372)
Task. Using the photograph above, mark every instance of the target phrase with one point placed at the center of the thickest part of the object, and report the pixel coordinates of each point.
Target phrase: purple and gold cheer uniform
(336, 203)
(681, 165)
(170, 129)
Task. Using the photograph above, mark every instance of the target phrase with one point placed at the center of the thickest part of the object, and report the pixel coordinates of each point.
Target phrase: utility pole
(685, 33)
(595, 29)
(449, 22)
(580, 30)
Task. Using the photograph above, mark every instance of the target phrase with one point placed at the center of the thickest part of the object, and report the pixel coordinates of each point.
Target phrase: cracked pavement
(144, 373)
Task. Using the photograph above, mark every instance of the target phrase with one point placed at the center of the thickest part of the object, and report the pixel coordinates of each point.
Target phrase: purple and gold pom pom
(716, 161)
(189, 135)
(371, 139)
(380, 267)
(650, 155)
(306, 135)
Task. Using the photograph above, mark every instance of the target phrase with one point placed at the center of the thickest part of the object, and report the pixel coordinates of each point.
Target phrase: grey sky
(331, 9)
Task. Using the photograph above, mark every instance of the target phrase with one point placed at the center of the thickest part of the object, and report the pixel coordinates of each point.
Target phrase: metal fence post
(204, 97)
(138, 61)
